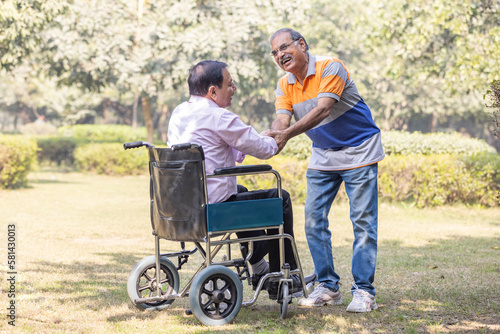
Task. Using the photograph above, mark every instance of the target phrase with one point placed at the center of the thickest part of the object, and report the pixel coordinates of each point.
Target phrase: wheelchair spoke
(210, 302)
(144, 287)
(226, 286)
(217, 309)
(148, 277)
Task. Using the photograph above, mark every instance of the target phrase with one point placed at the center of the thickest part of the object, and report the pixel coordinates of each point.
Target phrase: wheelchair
(180, 212)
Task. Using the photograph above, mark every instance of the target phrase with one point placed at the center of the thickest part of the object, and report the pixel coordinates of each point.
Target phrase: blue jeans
(361, 188)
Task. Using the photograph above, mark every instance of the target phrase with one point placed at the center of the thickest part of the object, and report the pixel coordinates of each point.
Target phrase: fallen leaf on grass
(495, 247)
(432, 267)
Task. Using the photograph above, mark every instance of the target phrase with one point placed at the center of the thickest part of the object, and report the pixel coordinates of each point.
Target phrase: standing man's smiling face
(290, 55)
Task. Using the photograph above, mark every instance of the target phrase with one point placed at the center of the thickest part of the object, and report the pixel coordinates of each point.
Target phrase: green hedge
(111, 159)
(441, 179)
(292, 172)
(106, 133)
(59, 150)
(18, 156)
(405, 143)
(423, 180)
(416, 143)
(430, 178)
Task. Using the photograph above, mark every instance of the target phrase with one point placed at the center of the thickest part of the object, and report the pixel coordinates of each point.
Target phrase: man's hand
(280, 136)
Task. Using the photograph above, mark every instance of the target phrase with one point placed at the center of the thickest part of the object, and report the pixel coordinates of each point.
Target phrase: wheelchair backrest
(178, 193)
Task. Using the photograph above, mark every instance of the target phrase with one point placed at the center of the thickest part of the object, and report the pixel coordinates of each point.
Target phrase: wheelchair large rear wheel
(216, 295)
(142, 282)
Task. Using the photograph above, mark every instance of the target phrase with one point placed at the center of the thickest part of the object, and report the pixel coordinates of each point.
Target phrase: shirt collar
(311, 69)
(203, 100)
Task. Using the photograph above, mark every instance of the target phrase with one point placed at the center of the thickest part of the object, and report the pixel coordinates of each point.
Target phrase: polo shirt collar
(311, 69)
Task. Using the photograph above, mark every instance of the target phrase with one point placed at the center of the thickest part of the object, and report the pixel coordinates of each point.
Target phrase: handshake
(280, 136)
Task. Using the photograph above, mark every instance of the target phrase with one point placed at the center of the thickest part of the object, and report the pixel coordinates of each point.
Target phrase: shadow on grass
(451, 284)
(49, 181)
(94, 285)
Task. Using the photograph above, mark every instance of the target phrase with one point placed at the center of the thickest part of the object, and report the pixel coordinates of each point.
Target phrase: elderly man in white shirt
(225, 139)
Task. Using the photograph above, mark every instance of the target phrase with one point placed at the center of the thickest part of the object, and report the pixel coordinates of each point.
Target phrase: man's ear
(212, 91)
(302, 44)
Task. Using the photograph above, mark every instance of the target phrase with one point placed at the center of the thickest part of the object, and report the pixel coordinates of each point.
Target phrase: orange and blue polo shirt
(348, 138)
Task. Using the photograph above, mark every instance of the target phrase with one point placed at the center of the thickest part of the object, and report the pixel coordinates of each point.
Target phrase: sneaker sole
(371, 308)
(337, 301)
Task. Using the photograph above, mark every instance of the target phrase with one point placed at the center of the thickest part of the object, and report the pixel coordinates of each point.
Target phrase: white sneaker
(322, 296)
(362, 301)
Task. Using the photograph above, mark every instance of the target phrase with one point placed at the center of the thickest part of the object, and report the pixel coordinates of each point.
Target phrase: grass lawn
(79, 235)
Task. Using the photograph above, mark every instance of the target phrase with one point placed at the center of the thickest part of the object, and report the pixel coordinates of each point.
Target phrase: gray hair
(294, 35)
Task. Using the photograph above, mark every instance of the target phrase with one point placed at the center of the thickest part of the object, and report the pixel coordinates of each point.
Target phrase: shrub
(35, 128)
(299, 147)
(17, 159)
(423, 180)
(441, 179)
(56, 149)
(111, 159)
(293, 177)
(406, 143)
(108, 133)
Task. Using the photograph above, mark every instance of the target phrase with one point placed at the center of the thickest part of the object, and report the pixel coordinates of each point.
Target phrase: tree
(430, 61)
(20, 24)
(493, 94)
(108, 45)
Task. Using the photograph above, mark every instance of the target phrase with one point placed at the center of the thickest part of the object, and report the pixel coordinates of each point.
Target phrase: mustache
(285, 58)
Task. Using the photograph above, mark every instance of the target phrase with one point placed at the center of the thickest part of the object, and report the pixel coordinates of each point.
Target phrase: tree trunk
(162, 124)
(434, 122)
(134, 112)
(387, 117)
(148, 119)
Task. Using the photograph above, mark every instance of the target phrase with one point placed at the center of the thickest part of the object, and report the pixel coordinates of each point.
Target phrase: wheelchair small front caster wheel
(188, 312)
(285, 299)
(216, 295)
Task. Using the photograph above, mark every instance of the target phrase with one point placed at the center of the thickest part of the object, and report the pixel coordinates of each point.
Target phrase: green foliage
(405, 143)
(299, 147)
(434, 180)
(436, 169)
(58, 150)
(108, 133)
(21, 22)
(17, 159)
(34, 128)
(454, 40)
(111, 159)
(418, 64)
(493, 94)
(292, 171)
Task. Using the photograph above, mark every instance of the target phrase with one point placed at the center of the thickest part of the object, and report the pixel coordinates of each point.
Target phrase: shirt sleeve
(283, 103)
(245, 138)
(238, 156)
(333, 80)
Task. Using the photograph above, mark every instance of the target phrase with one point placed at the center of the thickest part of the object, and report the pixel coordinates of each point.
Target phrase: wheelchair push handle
(136, 144)
(180, 147)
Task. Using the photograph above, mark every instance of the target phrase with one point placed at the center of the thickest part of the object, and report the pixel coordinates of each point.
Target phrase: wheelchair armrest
(242, 169)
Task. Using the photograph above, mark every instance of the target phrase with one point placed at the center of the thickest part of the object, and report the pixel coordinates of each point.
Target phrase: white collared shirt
(225, 140)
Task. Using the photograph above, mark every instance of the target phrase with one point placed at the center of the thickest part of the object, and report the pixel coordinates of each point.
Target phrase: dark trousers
(261, 248)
